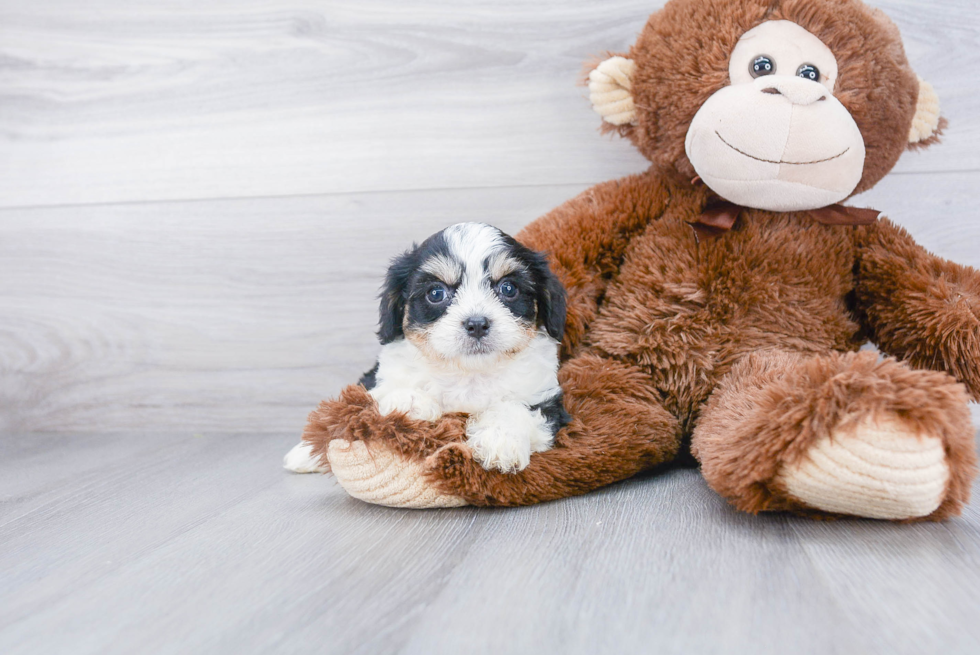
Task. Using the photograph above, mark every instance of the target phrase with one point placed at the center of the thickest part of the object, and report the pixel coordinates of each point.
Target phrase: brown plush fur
(741, 340)
(354, 416)
(899, 285)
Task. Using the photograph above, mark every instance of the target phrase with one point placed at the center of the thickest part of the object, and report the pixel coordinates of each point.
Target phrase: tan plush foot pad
(382, 477)
(877, 470)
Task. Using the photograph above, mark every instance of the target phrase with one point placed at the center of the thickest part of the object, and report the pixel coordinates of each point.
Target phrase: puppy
(470, 321)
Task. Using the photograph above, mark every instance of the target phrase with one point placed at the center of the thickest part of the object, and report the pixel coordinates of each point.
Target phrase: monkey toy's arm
(585, 239)
(919, 307)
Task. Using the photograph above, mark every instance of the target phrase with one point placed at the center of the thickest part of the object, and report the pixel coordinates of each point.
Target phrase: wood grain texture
(242, 315)
(106, 101)
(194, 545)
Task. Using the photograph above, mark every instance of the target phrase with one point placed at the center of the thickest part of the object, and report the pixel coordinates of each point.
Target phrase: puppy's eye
(507, 290)
(809, 72)
(762, 65)
(437, 294)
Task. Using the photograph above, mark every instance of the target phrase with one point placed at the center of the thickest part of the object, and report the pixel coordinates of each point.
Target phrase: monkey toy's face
(776, 138)
(780, 105)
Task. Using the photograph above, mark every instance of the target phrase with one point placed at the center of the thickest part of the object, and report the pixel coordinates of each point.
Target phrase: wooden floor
(197, 204)
(148, 544)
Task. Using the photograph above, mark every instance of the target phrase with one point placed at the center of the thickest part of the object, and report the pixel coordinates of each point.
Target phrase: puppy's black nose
(477, 326)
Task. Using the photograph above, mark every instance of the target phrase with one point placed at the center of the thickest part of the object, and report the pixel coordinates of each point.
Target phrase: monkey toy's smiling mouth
(780, 161)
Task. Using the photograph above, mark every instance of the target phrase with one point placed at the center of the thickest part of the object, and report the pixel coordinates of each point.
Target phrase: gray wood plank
(32, 478)
(206, 546)
(242, 315)
(96, 521)
(926, 577)
(108, 102)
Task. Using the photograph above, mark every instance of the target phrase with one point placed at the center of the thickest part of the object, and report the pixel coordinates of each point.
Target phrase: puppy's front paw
(497, 445)
(540, 435)
(425, 408)
(414, 404)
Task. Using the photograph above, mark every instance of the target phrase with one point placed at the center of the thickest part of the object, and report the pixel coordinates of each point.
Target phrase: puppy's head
(470, 294)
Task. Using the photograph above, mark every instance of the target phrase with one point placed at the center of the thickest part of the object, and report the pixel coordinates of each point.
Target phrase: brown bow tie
(719, 217)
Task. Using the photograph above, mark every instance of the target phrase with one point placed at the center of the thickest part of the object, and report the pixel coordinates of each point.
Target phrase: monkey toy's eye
(437, 294)
(507, 290)
(809, 72)
(762, 65)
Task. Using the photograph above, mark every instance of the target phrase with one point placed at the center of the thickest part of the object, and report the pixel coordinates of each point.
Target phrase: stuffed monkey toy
(717, 302)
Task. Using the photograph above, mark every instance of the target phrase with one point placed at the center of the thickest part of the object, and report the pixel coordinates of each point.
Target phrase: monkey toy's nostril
(477, 326)
(795, 90)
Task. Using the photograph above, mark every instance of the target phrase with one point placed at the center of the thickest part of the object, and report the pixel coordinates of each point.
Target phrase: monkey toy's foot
(878, 469)
(838, 434)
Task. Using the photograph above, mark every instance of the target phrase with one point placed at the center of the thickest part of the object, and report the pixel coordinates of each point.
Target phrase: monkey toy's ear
(927, 124)
(611, 91)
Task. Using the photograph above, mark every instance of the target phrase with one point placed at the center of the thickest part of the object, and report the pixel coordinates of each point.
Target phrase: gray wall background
(198, 199)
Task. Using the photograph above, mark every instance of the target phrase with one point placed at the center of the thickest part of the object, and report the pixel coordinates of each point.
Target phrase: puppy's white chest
(474, 393)
(528, 377)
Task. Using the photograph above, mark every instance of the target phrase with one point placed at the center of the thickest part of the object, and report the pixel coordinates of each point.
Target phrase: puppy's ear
(394, 296)
(551, 299)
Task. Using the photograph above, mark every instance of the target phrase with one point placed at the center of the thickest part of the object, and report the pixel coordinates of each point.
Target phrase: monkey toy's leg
(619, 428)
(838, 434)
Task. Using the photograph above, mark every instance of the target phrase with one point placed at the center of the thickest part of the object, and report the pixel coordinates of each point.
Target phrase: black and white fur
(470, 321)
